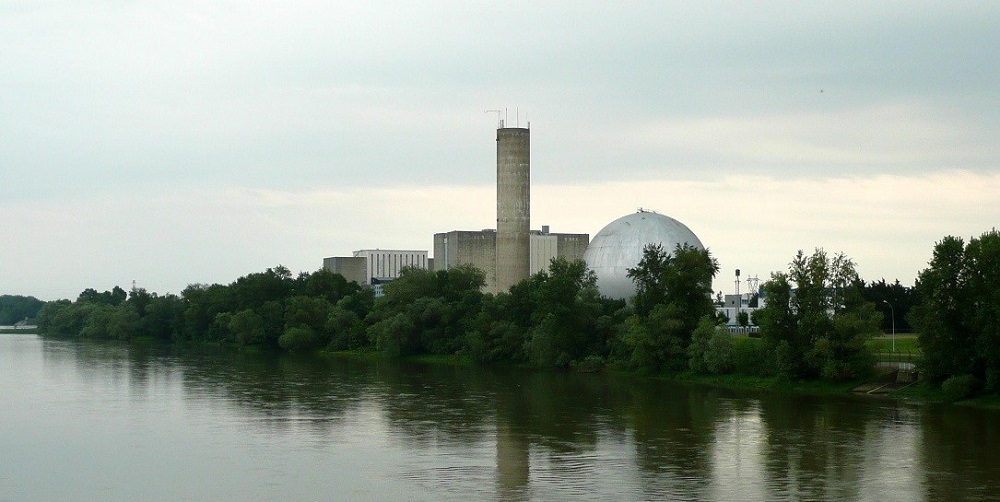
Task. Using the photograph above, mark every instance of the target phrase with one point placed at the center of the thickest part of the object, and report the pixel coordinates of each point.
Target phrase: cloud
(168, 239)
(195, 142)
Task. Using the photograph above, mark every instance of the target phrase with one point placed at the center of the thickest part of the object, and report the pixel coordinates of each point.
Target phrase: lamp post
(892, 312)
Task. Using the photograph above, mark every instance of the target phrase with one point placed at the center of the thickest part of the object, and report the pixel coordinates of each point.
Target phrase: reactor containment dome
(618, 247)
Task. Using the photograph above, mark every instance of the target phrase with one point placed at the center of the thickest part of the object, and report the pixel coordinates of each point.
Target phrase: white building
(385, 264)
(374, 267)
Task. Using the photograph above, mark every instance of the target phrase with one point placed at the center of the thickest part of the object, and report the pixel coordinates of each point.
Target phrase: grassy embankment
(12, 331)
(907, 347)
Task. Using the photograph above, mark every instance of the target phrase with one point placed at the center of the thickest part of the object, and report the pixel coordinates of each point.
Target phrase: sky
(173, 143)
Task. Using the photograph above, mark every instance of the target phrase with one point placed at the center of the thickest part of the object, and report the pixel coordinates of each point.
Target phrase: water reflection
(438, 431)
(958, 454)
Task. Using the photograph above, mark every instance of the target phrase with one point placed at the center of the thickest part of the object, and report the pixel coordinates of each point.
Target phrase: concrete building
(369, 267)
(512, 252)
(513, 243)
(478, 248)
(354, 269)
(472, 247)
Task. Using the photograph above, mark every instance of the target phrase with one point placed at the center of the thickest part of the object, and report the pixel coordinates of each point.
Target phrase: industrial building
(479, 248)
(507, 255)
(512, 252)
(369, 267)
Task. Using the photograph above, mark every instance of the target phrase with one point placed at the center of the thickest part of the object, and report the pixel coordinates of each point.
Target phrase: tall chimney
(513, 206)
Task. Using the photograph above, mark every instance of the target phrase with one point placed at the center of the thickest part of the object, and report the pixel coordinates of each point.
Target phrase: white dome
(618, 247)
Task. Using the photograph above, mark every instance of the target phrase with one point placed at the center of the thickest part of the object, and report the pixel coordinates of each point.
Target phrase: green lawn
(905, 344)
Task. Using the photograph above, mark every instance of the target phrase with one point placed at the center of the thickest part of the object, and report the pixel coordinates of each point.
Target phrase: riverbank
(7, 330)
(919, 393)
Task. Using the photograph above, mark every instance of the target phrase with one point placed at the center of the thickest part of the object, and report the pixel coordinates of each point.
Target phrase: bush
(960, 386)
(784, 360)
(711, 349)
(751, 357)
(590, 364)
(296, 339)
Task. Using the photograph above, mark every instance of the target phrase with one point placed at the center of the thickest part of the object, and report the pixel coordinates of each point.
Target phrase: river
(106, 421)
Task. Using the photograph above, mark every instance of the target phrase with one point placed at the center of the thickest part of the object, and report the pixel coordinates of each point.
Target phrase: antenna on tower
(499, 123)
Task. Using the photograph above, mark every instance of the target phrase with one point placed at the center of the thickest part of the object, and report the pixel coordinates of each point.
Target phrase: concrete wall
(544, 247)
(513, 206)
(352, 268)
(572, 246)
(473, 247)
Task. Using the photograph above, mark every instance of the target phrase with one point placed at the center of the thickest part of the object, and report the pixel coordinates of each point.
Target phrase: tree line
(815, 323)
(555, 318)
(16, 308)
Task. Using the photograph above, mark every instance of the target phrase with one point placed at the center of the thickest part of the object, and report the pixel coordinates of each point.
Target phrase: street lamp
(892, 312)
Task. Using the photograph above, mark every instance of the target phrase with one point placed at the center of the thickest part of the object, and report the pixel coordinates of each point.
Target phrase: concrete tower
(513, 206)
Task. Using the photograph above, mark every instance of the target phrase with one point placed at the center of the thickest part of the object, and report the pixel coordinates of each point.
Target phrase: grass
(905, 343)
(926, 392)
(769, 384)
(18, 331)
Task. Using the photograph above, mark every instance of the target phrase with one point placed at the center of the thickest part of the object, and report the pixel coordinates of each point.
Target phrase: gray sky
(180, 142)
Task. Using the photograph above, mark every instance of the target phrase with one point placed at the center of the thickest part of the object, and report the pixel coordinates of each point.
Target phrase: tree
(820, 327)
(564, 310)
(711, 349)
(298, 339)
(18, 308)
(958, 314)
(743, 319)
(902, 299)
(113, 298)
(247, 327)
(673, 294)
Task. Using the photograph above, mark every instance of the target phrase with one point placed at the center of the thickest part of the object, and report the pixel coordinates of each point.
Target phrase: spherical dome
(618, 247)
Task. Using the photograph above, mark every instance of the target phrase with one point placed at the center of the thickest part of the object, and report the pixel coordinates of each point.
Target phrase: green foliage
(589, 364)
(395, 336)
(425, 312)
(711, 350)
(112, 298)
(247, 328)
(821, 327)
(564, 309)
(892, 299)
(297, 339)
(743, 318)
(14, 308)
(345, 327)
(673, 294)
(62, 317)
(257, 309)
(752, 357)
(960, 387)
(959, 312)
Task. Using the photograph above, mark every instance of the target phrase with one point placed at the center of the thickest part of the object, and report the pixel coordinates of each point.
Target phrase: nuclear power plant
(511, 252)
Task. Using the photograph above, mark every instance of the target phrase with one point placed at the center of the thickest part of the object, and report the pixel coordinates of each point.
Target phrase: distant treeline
(14, 309)
(817, 319)
(555, 318)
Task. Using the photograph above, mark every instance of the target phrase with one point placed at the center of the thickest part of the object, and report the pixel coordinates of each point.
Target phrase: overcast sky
(180, 142)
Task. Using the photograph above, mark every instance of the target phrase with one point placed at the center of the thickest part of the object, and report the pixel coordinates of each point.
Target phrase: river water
(105, 421)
